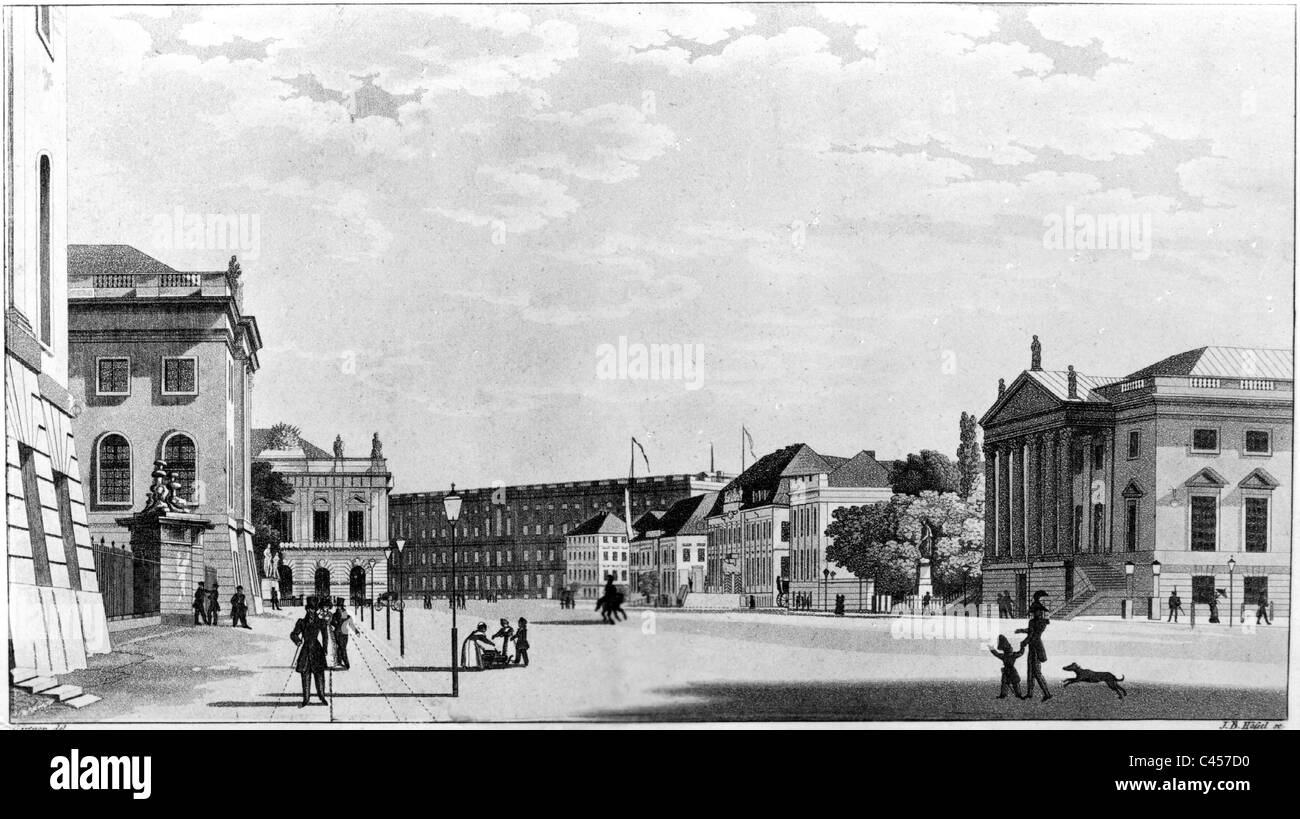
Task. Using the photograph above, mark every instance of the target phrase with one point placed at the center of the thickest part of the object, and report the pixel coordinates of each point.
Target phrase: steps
(27, 679)
(1103, 589)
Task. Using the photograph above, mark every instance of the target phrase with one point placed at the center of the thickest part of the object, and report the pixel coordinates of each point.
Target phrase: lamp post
(826, 586)
(1232, 565)
(1155, 589)
(388, 586)
(401, 600)
(1128, 604)
(451, 506)
(371, 566)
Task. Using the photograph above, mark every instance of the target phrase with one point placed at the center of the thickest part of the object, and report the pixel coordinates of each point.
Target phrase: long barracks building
(510, 539)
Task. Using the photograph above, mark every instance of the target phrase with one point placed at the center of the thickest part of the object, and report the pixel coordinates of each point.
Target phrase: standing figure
(309, 635)
(1175, 606)
(275, 598)
(340, 624)
(239, 609)
(200, 604)
(327, 622)
(521, 643)
(474, 646)
(1262, 612)
(505, 633)
(1038, 622)
(1010, 676)
(214, 605)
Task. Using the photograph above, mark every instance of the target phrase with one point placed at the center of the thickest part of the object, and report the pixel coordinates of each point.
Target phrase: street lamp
(1155, 589)
(388, 586)
(1128, 572)
(826, 587)
(451, 506)
(371, 566)
(401, 600)
(1232, 565)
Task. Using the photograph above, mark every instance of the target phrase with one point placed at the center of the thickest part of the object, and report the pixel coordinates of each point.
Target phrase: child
(521, 643)
(1010, 677)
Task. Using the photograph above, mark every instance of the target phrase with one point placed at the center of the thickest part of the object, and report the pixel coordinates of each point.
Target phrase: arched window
(178, 452)
(114, 469)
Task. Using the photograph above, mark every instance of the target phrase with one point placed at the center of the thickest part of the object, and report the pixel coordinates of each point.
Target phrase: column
(990, 502)
(1034, 485)
(1108, 519)
(1065, 493)
(1051, 479)
(1004, 501)
(1016, 508)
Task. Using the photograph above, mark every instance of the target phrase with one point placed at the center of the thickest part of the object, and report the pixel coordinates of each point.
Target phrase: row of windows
(180, 375)
(474, 583)
(1205, 440)
(646, 558)
(422, 557)
(113, 467)
(1204, 531)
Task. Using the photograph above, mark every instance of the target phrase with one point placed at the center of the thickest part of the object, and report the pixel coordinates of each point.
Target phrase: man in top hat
(309, 634)
(1038, 621)
(200, 604)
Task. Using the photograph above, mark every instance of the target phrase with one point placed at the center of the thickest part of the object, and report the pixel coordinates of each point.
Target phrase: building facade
(334, 529)
(596, 551)
(672, 549)
(510, 539)
(164, 362)
(750, 524)
(1181, 469)
(56, 610)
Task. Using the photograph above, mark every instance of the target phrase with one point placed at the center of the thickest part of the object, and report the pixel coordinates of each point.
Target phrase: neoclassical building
(1182, 468)
(56, 609)
(163, 361)
(335, 527)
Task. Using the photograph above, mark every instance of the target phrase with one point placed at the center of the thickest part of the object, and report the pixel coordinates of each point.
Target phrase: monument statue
(338, 446)
(164, 494)
(268, 564)
(376, 448)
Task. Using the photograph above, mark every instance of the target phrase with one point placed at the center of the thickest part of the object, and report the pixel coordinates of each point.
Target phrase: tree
(647, 583)
(268, 489)
(929, 471)
(968, 457)
(283, 436)
(863, 540)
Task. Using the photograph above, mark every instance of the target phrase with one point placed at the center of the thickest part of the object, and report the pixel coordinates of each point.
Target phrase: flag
(643, 457)
(749, 439)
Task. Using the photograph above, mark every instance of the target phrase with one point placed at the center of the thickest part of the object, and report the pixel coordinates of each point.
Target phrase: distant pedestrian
(925, 603)
(275, 598)
(839, 605)
(1175, 606)
(214, 606)
(200, 604)
(239, 609)
(340, 626)
(751, 601)
(521, 643)
(1214, 605)
(1262, 612)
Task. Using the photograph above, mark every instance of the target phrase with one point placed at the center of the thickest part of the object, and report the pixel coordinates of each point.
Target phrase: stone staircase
(32, 682)
(1100, 590)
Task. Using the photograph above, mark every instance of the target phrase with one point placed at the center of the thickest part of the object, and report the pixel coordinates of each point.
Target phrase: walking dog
(1083, 675)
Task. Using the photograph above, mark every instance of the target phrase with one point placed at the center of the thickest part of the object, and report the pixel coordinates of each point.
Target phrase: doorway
(322, 583)
(357, 584)
(1069, 581)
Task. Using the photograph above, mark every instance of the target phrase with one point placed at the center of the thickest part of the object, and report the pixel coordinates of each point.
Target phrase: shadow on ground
(907, 700)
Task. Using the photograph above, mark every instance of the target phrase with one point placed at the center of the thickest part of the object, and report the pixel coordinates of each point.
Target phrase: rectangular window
(64, 497)
(1258, 442)
(699, 555)
(113, 376)
(1257, 524)
(1131, 525)
(686, 555)
(1098, 518)
(1205, 440)
(320, 525)
(1134, 443)
(356, 525)
(285, 525)
(180, 376)
(1205, 520)
(1254, 589)
(1098, 456)
(35, 520)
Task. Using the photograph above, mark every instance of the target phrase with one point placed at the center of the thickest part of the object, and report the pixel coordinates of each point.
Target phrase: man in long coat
(310, 634)
(1038, 622)
(200, 604)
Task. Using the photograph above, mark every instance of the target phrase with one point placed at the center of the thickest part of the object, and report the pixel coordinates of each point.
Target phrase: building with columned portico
(1181, 469)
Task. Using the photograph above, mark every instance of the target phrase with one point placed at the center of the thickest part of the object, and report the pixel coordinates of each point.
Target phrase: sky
(464, 226)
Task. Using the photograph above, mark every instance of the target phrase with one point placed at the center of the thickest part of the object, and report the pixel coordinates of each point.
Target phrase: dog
(1083, 675)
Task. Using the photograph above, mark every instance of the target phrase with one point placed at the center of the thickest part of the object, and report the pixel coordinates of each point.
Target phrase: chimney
(871, 453)
(1074, 382)
(1002, 387)
(1035, 355)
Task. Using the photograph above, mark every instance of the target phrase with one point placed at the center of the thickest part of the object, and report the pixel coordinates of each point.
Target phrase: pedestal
(172, 545)
(923, 585)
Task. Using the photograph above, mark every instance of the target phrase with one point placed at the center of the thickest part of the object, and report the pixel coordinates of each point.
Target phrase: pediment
(1133, 490)
(1025, 397)
(1207, 477)
(1259, 479)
